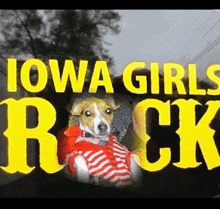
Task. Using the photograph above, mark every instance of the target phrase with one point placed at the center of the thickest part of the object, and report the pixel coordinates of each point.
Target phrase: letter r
(17, 134)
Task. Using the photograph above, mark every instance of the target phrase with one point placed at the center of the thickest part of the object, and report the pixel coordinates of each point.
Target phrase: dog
(97, 156)
(93, 115)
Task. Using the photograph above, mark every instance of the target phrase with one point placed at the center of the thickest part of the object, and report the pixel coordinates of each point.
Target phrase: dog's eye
(88, 113)
(108, 111)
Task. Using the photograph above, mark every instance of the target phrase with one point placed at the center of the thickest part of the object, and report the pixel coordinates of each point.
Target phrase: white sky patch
(180, 36)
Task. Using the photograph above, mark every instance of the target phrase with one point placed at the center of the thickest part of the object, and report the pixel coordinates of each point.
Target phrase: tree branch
(25, 25)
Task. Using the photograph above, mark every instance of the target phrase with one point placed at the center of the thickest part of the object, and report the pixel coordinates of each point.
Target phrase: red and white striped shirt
(111, 162)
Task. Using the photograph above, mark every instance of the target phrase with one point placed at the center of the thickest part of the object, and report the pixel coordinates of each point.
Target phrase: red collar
(87, 134)
(76, 131)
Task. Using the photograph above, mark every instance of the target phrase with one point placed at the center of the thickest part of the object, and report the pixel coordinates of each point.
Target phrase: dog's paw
(82, 169)
(135, 170)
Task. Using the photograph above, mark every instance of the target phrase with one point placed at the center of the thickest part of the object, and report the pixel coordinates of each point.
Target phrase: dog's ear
(114, 102)
(74, 108)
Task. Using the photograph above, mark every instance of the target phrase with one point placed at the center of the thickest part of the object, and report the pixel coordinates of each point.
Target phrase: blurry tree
(57, 33)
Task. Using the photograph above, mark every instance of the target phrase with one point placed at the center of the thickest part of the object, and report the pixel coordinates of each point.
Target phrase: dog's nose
(102, 127)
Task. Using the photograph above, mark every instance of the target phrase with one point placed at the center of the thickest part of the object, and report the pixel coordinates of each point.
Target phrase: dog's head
(95, 115)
